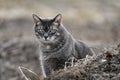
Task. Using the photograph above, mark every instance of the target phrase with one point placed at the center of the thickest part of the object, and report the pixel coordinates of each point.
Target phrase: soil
(105, 66)
(15, 53)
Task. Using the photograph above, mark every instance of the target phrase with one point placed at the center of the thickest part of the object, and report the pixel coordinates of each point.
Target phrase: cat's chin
(48, 41)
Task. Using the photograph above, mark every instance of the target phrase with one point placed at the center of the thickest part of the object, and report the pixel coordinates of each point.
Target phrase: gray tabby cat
(56, 44)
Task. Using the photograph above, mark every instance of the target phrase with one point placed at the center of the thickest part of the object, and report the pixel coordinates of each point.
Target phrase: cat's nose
(45, 36)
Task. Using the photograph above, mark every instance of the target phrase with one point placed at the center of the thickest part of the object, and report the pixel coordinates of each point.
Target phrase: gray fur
(56, 53)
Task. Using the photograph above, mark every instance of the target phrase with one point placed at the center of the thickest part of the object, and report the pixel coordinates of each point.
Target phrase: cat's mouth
(49, 39)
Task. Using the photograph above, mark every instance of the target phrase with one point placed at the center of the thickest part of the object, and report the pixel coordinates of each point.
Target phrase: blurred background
(95, 22)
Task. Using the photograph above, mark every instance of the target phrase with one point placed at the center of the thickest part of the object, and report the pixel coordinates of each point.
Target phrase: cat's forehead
(47, 21)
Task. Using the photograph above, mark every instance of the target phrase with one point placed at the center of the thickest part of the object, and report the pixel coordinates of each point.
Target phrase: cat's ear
(58, 19)
(36, 19)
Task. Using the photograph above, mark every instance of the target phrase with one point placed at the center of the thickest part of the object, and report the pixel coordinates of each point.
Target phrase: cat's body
(57, 48)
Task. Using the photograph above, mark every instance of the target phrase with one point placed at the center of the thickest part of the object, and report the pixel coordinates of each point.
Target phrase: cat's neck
(54, 47)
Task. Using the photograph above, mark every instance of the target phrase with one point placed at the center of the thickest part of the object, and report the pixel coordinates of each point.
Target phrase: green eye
(53, 31)
(54, 27)
(41, 30)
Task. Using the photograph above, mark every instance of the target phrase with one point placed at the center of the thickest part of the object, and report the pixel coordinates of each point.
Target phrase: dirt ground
(105, 66)
(95, 22)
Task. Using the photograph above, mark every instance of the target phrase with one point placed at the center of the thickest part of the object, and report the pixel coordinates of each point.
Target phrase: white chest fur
(48, 47)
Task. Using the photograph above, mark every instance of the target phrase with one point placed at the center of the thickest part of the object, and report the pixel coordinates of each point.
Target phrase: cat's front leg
(43, 71)
(47, 66)
(53, 64)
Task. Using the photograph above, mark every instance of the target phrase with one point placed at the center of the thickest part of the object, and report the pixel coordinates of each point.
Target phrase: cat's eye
(53, 27)
(41, 30)
(53, 31)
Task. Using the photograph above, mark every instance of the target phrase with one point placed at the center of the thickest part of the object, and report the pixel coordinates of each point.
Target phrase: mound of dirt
(105, 66)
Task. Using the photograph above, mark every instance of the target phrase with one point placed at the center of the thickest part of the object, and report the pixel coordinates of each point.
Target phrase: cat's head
(47, 30)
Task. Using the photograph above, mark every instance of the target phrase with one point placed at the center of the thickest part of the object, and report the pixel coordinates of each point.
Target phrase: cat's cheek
(37, 35)
(52, 38)
(58, 34)
(43, 38)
